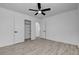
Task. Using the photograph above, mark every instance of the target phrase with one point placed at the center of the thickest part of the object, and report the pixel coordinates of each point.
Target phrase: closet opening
(27, 30)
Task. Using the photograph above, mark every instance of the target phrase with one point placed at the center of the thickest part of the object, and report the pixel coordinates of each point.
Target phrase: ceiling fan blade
(33, 10)
(36, 13)
(47, 9)
(43, 13)
(39, 6)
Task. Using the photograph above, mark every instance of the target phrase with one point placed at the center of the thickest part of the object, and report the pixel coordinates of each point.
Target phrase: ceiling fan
(40, 11)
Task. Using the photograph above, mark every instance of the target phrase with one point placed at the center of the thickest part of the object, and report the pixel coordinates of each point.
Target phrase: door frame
(25, 29)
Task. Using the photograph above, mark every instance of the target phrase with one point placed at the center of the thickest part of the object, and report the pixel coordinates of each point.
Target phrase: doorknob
(44, 31)
(15, 31)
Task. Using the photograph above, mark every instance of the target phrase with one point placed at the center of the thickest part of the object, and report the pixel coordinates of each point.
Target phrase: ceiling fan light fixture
(39, 12)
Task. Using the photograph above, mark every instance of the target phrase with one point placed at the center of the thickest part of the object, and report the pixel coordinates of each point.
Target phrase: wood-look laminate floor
(40, 47)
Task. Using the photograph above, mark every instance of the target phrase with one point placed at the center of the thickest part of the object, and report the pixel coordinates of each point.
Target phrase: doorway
(37, 29)
(27, 30)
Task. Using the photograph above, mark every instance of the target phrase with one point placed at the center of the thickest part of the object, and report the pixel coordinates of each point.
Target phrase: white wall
(7, 22)
(6, 29)
(62, 27)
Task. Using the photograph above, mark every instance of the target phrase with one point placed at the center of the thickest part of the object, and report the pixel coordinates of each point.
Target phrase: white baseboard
(66, 42)
(6, 44)
(78, 46)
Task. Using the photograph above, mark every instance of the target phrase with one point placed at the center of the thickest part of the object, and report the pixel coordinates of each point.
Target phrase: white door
(43, 30)
(27, 29)
(18, 29)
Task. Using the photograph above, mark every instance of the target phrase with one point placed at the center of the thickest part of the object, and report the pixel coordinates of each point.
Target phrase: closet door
(43, 29)
(19, 29)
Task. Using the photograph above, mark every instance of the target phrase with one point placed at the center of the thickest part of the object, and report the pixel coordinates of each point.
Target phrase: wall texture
(9, 22)
(62, 27)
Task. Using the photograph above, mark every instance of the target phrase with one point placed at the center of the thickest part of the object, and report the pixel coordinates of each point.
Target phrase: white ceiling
(56, 8)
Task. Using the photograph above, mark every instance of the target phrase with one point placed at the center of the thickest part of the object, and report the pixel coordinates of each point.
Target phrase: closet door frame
(25, 29)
